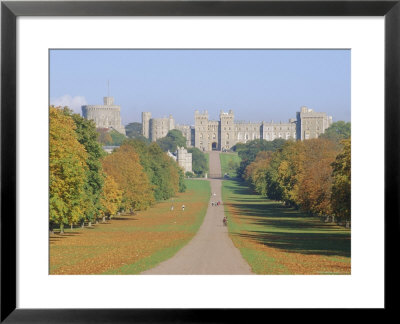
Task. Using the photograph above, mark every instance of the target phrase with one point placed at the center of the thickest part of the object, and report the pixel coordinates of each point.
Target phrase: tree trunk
(61, 228)
(72, 227)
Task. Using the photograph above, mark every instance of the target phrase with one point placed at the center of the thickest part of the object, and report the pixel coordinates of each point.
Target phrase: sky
(258, 85)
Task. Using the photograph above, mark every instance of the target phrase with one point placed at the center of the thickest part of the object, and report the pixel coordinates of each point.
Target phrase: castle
(224, 133)
(106, 115)
(183, 158)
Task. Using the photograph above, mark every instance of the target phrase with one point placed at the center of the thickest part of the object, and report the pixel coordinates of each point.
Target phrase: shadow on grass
(274, 225)
(304, 243)
(58, 237)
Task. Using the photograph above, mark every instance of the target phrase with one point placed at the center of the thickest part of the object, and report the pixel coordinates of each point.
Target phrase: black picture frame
(10, 10)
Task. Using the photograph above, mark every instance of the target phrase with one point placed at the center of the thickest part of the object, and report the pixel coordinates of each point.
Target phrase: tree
(88, 137)
(337, 131)
(315, 185)
(67, 170)
(104, 136)
(111, 197)
(124, 166)
(248, 151)
(162, 171)
(117, 137)
(172, 141)
(199, 161)
(341, 187)
(134, 131)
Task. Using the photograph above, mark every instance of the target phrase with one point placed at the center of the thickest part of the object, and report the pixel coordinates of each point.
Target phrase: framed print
(179, 60)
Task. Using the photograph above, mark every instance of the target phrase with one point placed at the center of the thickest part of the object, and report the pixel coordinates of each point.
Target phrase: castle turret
(146, 116)
(201, 130)
(106, 115)
(227, 130)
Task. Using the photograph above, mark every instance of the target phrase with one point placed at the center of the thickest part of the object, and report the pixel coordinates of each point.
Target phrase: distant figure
(214, 194)
(172, 208)
(225, 221)
(183, 207)
(212, 203)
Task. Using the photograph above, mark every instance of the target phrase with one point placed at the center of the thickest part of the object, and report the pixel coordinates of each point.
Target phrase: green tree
(67, 170)
(162, 171)
(172, 141)
(117, 137)
(337, 131)
(199, 161)
(134, 131)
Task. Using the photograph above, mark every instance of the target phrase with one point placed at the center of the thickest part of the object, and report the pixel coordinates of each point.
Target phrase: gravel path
(211, 251)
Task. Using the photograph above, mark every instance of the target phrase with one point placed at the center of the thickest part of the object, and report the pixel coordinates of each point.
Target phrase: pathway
(211, 251)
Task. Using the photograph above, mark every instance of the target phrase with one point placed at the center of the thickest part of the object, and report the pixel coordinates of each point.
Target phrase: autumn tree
(315, 186)
(124, 166)
(104, 136)
(341, 187)
(248, 151)
(67, 170)
(111, 198)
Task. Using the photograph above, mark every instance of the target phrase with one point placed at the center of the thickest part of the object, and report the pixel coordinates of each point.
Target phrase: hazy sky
(258, 85)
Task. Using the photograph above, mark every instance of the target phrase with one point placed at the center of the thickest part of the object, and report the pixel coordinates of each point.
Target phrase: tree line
(313, 175)
(87, 184)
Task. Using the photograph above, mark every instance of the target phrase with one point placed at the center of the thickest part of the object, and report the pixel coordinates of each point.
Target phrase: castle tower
(184, 159)
(146, 116)
(171, 123)
(106, 115)
(227, 130)
(311, 124)
(201, 130)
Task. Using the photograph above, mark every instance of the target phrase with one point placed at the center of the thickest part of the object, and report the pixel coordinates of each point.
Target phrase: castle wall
(186, 132)
(207, 134)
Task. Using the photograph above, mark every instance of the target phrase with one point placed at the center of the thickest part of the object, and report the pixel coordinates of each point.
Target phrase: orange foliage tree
(124, 166)
(315, 186)
(111, 197)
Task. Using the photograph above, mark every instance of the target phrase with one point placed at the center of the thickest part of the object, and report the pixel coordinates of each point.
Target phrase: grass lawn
(228, 161)
(278, 240)
(130, 244)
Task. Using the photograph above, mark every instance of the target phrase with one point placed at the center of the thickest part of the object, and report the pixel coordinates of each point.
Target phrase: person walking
(183, 207)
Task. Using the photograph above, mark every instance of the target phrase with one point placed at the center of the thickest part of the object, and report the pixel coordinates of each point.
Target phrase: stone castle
(106, 115)
(224, 133)
(183, 158)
